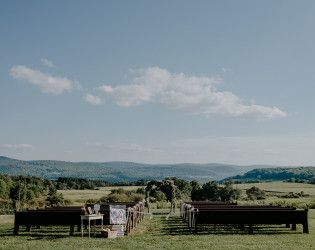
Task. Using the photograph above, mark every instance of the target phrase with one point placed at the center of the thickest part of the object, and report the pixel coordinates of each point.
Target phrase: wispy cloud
(187, 94)
(46, 82)
(92, 99)
(18, 146)
(47, 63)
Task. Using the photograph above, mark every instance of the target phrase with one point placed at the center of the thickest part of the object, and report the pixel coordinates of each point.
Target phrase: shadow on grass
(46, 232)
(175, 226)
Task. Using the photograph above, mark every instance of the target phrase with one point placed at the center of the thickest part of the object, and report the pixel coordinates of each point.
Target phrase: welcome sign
(117, 214)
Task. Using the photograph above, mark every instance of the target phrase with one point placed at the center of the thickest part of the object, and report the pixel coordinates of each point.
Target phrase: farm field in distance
(160, 233)
(282, 187)
(80, 196)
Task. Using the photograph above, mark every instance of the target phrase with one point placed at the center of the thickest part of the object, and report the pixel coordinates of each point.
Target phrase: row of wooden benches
(196, 213)
(71, 216)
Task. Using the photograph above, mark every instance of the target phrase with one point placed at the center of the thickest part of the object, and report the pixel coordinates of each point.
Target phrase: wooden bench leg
(71, 230)
(250, 230)
(305, 228)
(294, 227)
(241, 227)
(16, 229)
(28, 228)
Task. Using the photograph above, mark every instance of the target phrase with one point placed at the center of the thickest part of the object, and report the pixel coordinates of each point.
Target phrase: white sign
(117, 214)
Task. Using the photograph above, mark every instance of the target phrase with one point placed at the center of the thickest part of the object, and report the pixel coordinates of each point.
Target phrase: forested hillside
(303, 173)
(118, 171)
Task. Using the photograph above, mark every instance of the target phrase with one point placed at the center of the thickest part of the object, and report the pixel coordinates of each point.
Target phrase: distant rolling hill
(120, 171)
(276, 174)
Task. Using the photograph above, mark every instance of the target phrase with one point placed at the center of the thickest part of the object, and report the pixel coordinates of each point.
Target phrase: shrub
(254, 193)
(288, 204)
(6, 211)
(91, 201)
(55, 199)
(103, 199)
(6, 204)
(159, 196)
(310, 205)
(140, 190)
(137, 197)
(68, 202)
(116, 198)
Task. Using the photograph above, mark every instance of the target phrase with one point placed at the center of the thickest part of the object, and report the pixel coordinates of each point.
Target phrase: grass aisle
(160, 233)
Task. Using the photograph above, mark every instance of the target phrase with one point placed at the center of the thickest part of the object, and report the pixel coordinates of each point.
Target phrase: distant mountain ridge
(121, 171)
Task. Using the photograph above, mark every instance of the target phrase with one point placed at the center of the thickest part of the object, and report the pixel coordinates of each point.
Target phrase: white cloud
(47, 63)
(18, 146)
(46, 82)
(92, 99)
(187, 94)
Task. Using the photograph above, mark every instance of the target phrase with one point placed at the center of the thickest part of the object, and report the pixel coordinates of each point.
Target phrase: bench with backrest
(70, 215)
(238, 208)
(185, 206)
(45, 218)
(251, 216)
(202, 213)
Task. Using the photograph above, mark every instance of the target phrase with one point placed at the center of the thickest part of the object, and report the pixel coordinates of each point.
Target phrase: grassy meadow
(80, 196)
(282, 188)
(160, 233)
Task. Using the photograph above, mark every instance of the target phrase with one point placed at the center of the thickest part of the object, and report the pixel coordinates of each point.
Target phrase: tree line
(29, 191)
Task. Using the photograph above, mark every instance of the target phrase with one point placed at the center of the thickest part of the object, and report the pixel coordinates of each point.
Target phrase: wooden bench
(224, 213)
(251, 216)
(70, 215)
(186, 205)
(45, 218)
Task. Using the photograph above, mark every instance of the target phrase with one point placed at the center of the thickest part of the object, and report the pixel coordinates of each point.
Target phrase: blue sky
(158, 81)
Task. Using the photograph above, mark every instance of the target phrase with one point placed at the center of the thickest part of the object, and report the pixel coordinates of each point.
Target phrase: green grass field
(282, 187)
(160, 233)
(80, 196)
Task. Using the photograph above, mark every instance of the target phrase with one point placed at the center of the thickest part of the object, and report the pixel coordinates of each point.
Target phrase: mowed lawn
(160, 233)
